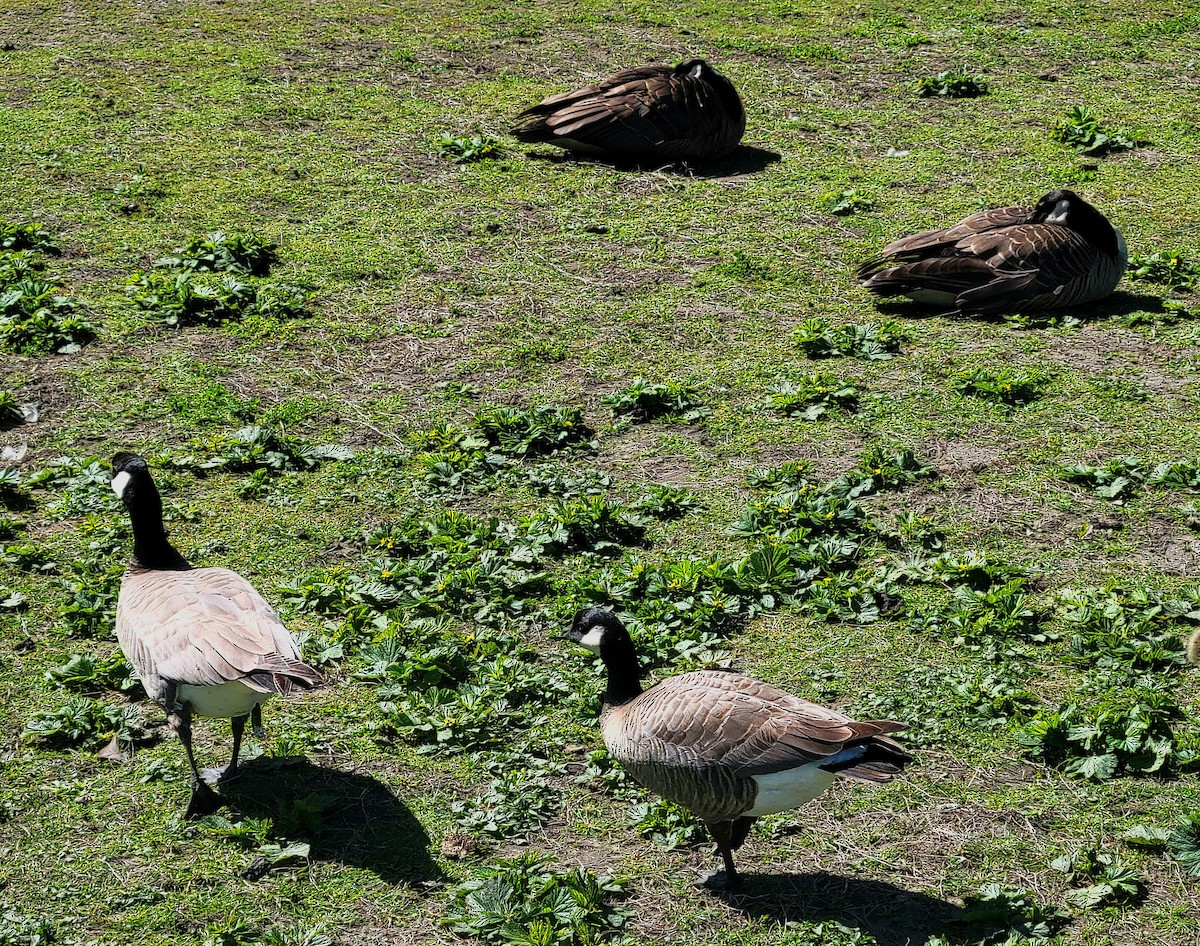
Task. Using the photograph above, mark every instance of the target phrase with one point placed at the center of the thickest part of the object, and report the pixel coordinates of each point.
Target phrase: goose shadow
(346, 817)
(892, 915)
(1118, 305)
(744, 159)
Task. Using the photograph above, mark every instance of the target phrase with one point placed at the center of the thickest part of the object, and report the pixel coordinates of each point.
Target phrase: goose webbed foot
(718, 880)
(728, 835)
(216, 776)
(204, 800)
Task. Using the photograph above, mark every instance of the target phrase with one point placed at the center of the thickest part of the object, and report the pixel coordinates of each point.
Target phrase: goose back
(1008, 259)
(690, 111)
(714, 740)
(208, 631)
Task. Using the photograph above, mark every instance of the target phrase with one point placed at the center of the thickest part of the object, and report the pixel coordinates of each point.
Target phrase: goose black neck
(624, 670)
(151, 548)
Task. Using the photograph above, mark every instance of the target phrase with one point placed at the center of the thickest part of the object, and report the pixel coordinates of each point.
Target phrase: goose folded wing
(631, 116)
(947, 239)
(747, 733)
(949, 274)
(218, 628)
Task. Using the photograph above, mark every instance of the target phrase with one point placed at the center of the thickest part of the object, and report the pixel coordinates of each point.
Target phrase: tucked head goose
(1061, 252)
(1193, 648)
(686, 112)
(202, 640)
(726, 746)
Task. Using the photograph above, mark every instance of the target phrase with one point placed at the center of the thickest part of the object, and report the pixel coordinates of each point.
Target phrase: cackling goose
(1061, 252)
(202, 641)
(665, 113)
(728, 747)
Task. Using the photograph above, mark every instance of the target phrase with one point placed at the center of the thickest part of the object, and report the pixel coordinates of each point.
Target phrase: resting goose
(1061, 252)
(202, 641)
(1193, 648)
(665, 113)
(728, 747)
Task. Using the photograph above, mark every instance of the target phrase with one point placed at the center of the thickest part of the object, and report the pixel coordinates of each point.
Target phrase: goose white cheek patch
(591, 640)
(119, 482)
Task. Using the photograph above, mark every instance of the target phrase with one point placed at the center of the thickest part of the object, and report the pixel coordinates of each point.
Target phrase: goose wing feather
(742, 725)
(205, 627)
(646, 109)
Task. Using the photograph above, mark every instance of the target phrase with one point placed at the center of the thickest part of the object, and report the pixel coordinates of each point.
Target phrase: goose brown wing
(646, 110)
(205, 627)
(747, 727)
(944, 241)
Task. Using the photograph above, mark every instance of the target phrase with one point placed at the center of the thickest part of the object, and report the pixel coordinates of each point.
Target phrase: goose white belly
(223, 701)
(782, 791)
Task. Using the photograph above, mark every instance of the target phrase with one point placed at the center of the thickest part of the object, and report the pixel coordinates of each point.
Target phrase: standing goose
(728, 747)
(202, 641)
(1061, 252)
(665, 113)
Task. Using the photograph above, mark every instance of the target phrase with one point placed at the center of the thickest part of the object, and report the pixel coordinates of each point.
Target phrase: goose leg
(213, 776)
(723, 833)
(740, 829)
(256, 725)
(204, 800)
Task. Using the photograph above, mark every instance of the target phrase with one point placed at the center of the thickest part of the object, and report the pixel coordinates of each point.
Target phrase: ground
(439, 290)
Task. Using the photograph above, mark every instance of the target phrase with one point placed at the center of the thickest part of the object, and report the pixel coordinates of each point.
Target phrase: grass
(431, 307)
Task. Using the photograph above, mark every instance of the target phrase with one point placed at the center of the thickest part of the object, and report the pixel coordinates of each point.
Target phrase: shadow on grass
(892, 915)
(360, 821)
(744, 159)
(1120, 304)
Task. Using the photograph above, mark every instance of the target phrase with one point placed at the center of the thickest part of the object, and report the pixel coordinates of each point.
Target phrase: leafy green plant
(35, 319)
(794, 474)
(591, 524)
(1121, 728)
(645, 401)
(666, 824)
(256, 448)
(954, 83)
(987, 616)
(90, 673)
(221, 252)
(463, 720)
(26, 236)
(179, 298)
(1116, 479)
(534, 431)
(523, 902)
(1170, 268)
(1081, 129)
(873, 341)
(810, 397)
(79, 721)
(665, 502)
(882, 469)
(1136, 630)
(16, 265)
(1000, 916)
(517, 800)
(844, 203)
(466, 150)
(1108, 878)
(1184, 842)
(1013, 387)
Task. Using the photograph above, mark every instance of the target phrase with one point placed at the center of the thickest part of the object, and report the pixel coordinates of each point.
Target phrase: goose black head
(1068, 209)
(128, 470)
(701, 70)
(596, 629)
